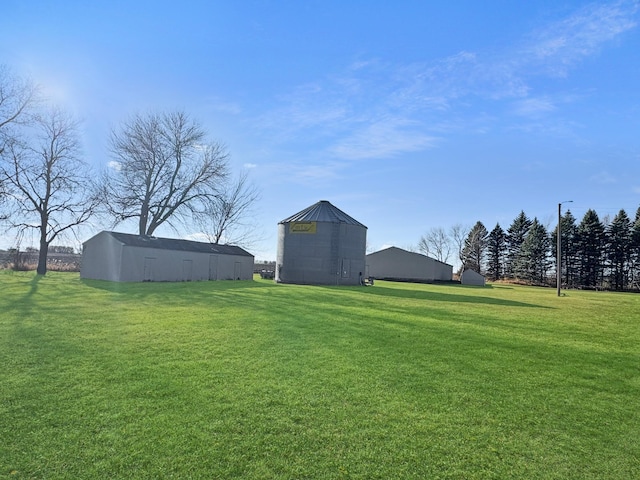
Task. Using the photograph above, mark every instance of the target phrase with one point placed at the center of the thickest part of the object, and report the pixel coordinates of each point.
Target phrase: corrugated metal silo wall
(323, 253)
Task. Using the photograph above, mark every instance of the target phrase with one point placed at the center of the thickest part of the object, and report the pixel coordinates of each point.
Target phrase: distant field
(259, 380)
(62, 262)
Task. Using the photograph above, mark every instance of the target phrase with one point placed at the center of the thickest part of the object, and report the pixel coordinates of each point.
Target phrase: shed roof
(147, 241)
(323, 211)
(405, 252)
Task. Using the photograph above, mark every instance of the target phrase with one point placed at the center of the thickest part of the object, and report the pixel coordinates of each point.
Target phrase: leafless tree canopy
(49, 187)
(163, 170)
(458, 234)
(437, 244)
(228, 216)
(17, 96)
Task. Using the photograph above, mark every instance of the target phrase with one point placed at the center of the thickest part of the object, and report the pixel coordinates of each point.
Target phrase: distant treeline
(595, 253)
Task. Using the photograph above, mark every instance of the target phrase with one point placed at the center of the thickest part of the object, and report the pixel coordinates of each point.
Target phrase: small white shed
(394, 263)
(122, 257)
(471, 277)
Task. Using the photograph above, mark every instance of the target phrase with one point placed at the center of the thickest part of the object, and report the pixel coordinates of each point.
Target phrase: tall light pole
(559, 247)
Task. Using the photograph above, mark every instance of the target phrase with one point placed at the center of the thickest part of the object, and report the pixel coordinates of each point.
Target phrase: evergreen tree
(634, 280)
(569, 249)
(591, 236)
(515, 236)
(618, 251)
(535, 254)
(475, 247)
(496, 252)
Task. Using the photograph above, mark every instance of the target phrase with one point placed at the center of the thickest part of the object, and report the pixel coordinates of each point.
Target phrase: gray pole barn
(122, 257)
(321, 245)
(394, 263)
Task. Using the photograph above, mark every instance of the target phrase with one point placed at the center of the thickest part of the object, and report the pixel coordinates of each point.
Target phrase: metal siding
(105, 258)
(101, 258)
(132, 264)
(213, 267)
(178, 266)
(317, 258)
(395, 263)
(187, 270)
(470, 277)
(149, 268)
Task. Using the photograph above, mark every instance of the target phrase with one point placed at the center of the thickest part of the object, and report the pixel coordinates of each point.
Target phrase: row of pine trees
(595, 253)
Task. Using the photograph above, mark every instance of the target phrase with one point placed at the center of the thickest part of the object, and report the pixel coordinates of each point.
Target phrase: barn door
(213, 267)
(237, 271)
(187, 270)
(149, 262)
(345, 268)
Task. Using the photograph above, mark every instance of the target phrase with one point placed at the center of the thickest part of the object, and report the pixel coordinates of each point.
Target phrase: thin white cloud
(313, 108)
(603, 177)
(562, 44)
(534, 107)
(311, 173)
(223, 106)
(383, 139)
(550, 127)
(250, 166)
(375, 109)
(317, 172)
(535, 166)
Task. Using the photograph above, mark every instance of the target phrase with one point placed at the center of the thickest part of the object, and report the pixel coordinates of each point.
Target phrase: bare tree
(436, 243)
(17, 97)
(50, 189)
(228, 215)
(162, 171)
(458, 234)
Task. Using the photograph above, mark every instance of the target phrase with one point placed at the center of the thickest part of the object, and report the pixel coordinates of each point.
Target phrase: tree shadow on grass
(33, 285)
(144, 289)
(25, 302)
(193, 291)
(445, 297)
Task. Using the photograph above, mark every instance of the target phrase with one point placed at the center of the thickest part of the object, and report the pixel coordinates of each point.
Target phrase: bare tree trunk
(42, 255)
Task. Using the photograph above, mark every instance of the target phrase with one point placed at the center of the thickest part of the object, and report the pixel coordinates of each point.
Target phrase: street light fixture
(559, 247)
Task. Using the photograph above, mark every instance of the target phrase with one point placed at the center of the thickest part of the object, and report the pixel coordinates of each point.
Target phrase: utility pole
(559, 247)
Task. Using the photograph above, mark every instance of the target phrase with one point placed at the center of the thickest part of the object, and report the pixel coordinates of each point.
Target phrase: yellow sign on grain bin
(302, 227)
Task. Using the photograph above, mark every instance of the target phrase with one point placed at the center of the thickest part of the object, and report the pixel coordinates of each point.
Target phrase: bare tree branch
(163, 170)
(458, 233)
(436, 243)
(228, 216)
(17, 97)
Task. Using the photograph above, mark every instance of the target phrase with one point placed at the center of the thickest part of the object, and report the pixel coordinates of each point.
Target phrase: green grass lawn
(260, 380)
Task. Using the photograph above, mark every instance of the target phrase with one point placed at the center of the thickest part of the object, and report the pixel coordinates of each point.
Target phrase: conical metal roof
(323, 211)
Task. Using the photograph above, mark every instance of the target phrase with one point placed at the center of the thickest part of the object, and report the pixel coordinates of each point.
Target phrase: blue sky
(407, 115)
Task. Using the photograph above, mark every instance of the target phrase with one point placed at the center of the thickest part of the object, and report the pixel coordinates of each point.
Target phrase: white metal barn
(122, 257)
(394, 263)
(321, 245)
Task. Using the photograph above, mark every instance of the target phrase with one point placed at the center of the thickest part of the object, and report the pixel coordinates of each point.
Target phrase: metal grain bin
(321, 245)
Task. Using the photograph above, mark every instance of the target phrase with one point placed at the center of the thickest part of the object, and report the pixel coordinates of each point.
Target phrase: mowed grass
(259, 380)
